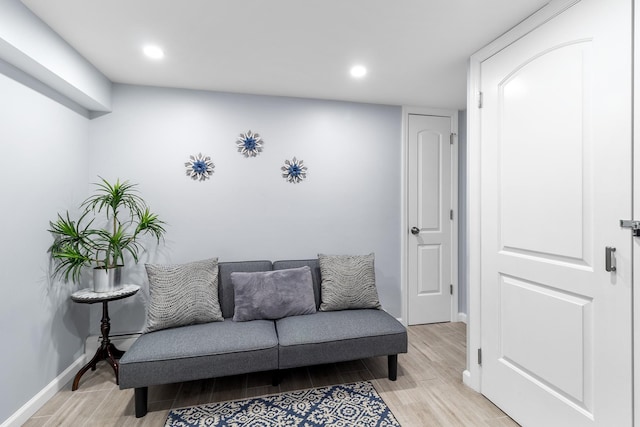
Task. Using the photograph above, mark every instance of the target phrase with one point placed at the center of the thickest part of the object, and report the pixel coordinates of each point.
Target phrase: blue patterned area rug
(355, 404)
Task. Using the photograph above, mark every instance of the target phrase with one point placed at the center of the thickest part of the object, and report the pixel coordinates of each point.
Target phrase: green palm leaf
(79, 244)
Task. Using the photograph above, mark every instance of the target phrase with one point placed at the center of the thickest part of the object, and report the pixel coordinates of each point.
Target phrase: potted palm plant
(85, 242)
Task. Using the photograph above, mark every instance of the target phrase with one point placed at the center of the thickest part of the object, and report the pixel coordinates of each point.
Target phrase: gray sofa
(219, 349)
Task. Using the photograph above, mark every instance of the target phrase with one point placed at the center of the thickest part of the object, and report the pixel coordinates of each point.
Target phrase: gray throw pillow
(273, 294)
(348, 281)
(182, 294)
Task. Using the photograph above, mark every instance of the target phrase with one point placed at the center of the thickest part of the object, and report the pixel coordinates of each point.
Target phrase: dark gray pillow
(273, 294)
(182, 294)
(348, 281)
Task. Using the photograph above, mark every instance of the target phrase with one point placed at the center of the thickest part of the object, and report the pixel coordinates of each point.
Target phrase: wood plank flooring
(428, 392)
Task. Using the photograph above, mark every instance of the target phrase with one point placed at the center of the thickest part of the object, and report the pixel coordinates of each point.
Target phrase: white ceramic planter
(106, 279)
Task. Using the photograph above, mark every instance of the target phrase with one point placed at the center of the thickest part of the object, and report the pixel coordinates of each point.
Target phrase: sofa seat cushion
(335, 336)
(200, 351)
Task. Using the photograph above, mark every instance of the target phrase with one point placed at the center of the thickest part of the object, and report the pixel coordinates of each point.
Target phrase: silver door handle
(415, 230)
(609, 259)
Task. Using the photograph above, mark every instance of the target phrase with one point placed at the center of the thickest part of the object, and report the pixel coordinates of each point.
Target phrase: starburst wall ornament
(249, 144)
(294, 170)
(199, 167)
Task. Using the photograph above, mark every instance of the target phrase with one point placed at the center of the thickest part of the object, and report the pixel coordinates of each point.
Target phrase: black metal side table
(107, 351)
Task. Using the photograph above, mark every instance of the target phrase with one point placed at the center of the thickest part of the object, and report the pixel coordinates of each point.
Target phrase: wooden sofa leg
(141, 401)
(393, 366)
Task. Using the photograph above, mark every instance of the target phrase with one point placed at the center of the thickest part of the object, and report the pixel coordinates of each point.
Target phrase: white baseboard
(466, 378)
(32, 406)
(122, 342)
(472, 380)
(462, 317)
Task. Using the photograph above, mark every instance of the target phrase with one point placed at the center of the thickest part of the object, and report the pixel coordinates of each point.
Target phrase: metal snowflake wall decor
(294, 170)
(199, 167)
(249, 144)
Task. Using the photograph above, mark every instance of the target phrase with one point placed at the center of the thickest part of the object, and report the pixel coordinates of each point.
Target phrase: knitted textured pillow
(182, 294)
(348, 281)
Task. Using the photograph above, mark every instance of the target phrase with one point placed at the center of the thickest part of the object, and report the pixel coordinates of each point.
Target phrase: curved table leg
(112, 360)
(92, 364)
(107, 351)
(117, 354)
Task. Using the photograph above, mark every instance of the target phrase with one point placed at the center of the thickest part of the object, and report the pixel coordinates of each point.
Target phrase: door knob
(415, 230)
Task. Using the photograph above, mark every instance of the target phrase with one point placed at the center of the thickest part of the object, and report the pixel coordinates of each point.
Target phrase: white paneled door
(556, 327)
(430, 201)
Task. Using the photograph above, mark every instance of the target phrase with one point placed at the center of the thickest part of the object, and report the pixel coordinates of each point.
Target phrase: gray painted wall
(463, 279)
(349, 204)
(44, 170)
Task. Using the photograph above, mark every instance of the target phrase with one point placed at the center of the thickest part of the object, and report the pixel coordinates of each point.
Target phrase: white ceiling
(415, 50)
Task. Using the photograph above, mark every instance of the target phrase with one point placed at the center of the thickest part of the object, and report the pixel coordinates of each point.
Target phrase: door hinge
(480, 99)
(633, 225)
(451, 289)
(451, 214)
(479, 356)
(452, 137)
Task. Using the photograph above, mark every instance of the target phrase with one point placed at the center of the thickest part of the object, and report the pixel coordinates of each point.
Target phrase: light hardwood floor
(428, 392)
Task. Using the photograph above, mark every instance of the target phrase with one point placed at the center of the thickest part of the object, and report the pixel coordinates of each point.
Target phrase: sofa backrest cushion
(225, 287)
(315, 273)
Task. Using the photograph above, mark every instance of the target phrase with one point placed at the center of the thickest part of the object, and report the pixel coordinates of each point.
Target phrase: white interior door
(555, 181)
(430, 225)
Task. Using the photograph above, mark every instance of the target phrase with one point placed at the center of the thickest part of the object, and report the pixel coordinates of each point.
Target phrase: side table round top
(89, 296)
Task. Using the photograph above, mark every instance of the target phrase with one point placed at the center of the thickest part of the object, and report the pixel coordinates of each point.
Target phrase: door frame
(635, 248)
(472, 375)
(404, 222)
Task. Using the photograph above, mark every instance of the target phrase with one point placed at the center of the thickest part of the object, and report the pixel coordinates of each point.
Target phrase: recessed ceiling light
(358, 71)
(153, 52)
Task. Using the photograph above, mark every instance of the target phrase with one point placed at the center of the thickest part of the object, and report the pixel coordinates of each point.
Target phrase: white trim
(36, 402)
(462, 317)
(546, 13)
(636, 214)
(122, 342)
(404, 170)
(472, 375)
(455, 160)
(466, 378)
(453, 115)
